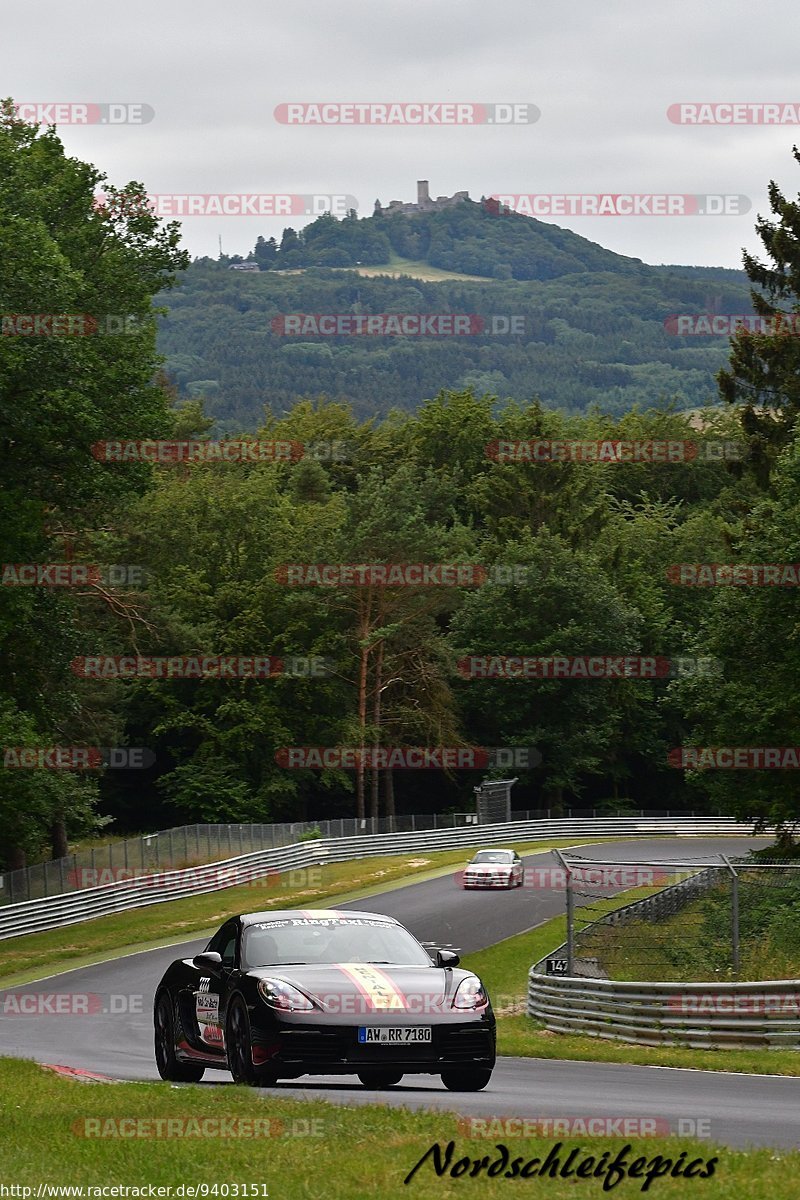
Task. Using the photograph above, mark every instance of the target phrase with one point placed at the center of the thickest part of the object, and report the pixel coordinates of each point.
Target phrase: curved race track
(115, 1036)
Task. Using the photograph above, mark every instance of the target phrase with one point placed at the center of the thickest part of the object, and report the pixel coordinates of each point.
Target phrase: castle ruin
(424, 202)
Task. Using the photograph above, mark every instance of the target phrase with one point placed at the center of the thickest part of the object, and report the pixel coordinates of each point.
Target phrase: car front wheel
(166, 1060)
(239, 1046)
(466, 1079)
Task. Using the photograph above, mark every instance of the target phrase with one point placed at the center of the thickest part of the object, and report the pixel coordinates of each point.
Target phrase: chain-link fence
(698, 919)
(193, 845)
(187, 846)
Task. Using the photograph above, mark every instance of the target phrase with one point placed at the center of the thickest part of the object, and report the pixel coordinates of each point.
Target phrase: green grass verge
(353, 1153)
(24, 958)
(504, 968)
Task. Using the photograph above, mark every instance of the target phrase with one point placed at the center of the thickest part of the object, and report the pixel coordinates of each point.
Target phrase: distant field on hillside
(398, 266)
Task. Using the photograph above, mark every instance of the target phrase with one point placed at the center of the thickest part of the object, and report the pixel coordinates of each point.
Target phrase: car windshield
(300, 940)
(492, 856)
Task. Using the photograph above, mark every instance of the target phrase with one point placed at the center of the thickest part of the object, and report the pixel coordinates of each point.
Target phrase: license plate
(393, 1035)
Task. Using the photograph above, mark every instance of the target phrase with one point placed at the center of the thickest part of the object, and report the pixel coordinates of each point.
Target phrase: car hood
(360, 989)
(488, 868)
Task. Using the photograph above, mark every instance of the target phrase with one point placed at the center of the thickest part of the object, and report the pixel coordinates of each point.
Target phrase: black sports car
(276, 995)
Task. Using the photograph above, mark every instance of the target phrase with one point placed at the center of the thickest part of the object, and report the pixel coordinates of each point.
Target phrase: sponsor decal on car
(207, 1013)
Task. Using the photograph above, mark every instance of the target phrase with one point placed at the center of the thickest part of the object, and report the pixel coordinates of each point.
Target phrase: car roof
(494, 850)
(278, 914)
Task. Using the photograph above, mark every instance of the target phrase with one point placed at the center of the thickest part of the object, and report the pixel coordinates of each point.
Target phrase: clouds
(603, 75)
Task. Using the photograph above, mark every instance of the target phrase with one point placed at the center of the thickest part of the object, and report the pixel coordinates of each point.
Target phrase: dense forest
(578, 557)
(589, 326)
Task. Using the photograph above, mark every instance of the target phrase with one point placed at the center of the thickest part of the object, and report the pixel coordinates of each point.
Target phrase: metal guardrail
(72, 908)
(763, 1015)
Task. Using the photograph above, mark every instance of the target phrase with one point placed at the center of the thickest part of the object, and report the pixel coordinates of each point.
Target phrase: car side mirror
(209, 960)
(447, 958)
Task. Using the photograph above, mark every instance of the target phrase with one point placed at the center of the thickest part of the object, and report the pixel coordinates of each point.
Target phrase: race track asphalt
(115, 1037)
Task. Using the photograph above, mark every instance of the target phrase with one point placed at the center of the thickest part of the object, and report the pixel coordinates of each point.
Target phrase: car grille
(317, 1047)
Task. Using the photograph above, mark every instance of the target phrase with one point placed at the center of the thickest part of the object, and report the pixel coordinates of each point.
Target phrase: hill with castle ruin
(451, 233)
(548, 314)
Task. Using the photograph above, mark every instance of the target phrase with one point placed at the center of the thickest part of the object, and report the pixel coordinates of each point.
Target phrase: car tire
(380, 1078)
(169, 1067)
(466, 1079)
(239, 1048)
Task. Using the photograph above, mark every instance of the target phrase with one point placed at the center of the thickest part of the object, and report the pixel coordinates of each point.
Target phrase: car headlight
(470, 993)
(284, 996)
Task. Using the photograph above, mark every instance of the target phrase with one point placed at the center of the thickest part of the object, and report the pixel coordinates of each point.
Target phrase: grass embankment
(142, 928)
(351, 1153)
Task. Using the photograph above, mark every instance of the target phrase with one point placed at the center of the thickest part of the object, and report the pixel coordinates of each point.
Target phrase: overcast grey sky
(602, 74)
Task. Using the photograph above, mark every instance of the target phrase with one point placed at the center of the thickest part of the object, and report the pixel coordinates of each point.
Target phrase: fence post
(734, 915)
(570, 928)
(570, 915)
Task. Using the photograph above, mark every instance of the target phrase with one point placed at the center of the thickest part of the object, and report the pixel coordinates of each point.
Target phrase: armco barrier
(70, 908)
(763, 1015)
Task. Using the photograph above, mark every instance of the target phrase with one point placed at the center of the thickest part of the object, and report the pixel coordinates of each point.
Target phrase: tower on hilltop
(424, 203)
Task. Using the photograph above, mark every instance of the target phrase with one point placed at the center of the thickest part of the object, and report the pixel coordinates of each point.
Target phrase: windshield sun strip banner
(304, 921)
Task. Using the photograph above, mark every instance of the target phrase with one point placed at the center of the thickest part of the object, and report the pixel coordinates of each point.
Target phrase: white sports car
(493, 868)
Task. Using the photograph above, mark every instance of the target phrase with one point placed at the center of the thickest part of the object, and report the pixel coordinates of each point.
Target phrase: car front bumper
(334, 1049)
(487, 881)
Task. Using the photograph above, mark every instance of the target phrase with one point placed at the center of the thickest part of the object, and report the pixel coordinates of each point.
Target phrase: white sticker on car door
(207, 1013)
